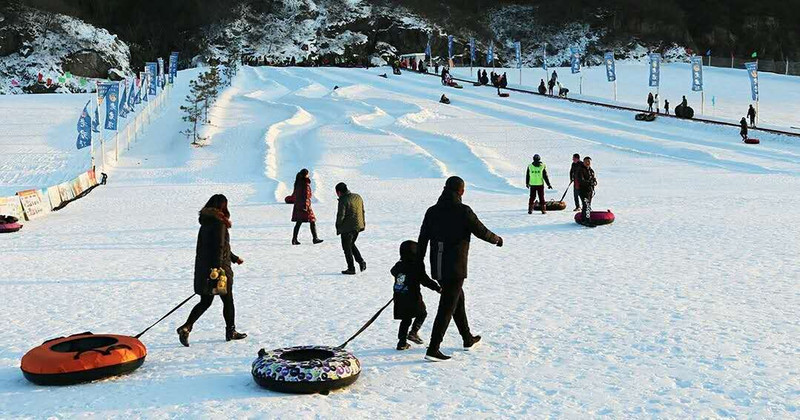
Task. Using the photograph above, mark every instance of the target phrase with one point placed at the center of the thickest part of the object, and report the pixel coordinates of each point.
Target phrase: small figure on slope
(587, 182)
(743, 130)
(751, 113)
(535, 178)
(573, 176)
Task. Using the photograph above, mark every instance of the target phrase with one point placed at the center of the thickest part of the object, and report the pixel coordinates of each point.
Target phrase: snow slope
(727, 91)
(685, 307)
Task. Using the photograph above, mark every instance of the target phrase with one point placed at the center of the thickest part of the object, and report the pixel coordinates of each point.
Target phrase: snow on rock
(34, 42)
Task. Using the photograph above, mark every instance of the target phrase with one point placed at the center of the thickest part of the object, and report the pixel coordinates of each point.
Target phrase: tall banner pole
(615, 90)
(703, 102)
(580, 86)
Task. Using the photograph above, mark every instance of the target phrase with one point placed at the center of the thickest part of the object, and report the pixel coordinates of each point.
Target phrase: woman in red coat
(301, 212)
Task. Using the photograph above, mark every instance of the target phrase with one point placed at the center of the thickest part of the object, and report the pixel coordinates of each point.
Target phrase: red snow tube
(10, 227)
(597, 217)
(289, 199)
(752, 141)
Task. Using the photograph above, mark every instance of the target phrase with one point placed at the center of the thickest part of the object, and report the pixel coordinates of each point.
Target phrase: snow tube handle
(106, 352)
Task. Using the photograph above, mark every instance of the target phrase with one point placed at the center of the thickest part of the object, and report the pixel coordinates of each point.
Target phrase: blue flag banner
(84, 128)
(152, 73)
(449, 46)
(575, 59)
(131, 96)
(611, 67)
(655, 69)
(112, 106)
(145, 85)
(123, 100)
(708, 53)
(752, 72)
(472, 50)
(697, 73)
(102, 89)
(518, 53)
(96, 120)
(490, 55)
(544, 57)
(173, 68)
(162, 81)
(140, 93)
(428, 48)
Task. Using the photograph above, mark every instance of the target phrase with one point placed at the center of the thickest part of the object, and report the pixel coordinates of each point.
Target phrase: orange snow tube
(81, 358)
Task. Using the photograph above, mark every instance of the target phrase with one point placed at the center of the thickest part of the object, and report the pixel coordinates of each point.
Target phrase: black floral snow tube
(305, 369)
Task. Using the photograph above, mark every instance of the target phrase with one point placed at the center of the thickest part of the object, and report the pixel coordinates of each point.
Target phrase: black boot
(402, 345)
(232, 334)
(183, 335)
(472, 342)
(436, 356)
(414, 338)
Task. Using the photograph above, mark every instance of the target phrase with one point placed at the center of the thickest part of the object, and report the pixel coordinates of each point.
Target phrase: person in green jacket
(535, 178)
(349, 223)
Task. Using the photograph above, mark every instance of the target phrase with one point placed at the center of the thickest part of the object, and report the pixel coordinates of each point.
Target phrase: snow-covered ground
(727, 91)
(685, 307)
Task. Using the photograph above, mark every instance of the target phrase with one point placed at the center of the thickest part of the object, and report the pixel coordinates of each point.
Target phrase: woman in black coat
(213, 251)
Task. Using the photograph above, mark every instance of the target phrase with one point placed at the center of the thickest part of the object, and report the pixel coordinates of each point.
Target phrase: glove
(549, 187)
(499, 242)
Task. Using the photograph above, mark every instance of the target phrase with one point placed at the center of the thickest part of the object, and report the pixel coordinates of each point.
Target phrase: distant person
(436, 67)
(684, 102)
(484, 78)
(751, 113)
(349, 223)
(409, 307)
(447, 227)
(743, 130)
(658, 104)
(503, 81)
(542, 88)
(550, 85)
(554, 76)
(535, 178)
(650, 101)
(587, 181)
(301, 211)
(666, 107)
(213, 252)
(573, 176)
(562, 91)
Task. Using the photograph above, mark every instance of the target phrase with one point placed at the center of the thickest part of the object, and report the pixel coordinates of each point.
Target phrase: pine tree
(209, 84)
(193, 111)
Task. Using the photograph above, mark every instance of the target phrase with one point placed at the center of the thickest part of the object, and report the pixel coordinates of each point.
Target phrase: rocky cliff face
(33, 42)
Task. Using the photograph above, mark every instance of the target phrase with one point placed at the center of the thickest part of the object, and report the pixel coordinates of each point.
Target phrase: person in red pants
(535, 178)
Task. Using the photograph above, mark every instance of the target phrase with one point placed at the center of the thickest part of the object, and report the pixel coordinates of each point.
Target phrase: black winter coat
(573, 173)
(213, 250)
(586, 181)
(448, 226)
(408, 276)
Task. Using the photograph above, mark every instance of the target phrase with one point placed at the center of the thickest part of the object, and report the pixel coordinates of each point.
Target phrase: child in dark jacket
(408, 305)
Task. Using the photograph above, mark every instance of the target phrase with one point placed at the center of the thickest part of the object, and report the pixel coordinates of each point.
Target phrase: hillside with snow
(684, 307)
(63, 49)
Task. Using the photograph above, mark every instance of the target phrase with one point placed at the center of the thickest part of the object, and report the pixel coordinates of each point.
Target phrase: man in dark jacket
(542, 88)
(650, 101)
(535, 178)
(349, 223)
(573, 176)
(587, 181)
(448, 226)
(743, 129)
(751, 113)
